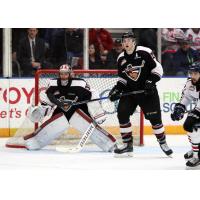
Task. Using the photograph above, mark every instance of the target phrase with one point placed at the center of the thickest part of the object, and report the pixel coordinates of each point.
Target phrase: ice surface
(148, 157)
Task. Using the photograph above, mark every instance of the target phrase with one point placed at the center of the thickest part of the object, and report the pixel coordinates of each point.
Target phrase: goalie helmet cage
(102, 81)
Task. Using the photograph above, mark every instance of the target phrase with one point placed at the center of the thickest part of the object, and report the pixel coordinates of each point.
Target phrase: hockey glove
(149, 87)
(195, 114)
(178, 112)
(114, 94)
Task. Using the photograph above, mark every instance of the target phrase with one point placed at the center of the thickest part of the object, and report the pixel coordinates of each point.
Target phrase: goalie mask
(65, 74)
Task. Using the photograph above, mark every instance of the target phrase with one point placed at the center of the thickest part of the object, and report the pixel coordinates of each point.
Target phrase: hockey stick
(81, 143)
(102, 98)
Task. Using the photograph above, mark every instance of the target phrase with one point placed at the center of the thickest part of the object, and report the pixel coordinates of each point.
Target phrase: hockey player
(63, 92)
(138, 69)
(190, 94)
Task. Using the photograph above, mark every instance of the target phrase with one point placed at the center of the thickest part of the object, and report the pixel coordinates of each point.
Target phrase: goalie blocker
(54, 128)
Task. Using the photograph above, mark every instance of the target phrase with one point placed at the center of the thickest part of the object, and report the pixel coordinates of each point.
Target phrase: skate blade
(170, 156)
(123, 155)
(193, 168)
(187, 159)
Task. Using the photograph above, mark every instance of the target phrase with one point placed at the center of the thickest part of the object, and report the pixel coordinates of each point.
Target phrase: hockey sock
(161, 137)
(195, 148)
(126, 132)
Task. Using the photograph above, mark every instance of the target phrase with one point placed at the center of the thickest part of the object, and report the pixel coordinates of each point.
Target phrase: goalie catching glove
(178, 113)
(95, 109)
(37, 113)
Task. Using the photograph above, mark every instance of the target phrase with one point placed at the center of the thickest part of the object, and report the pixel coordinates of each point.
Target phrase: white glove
(37, 113)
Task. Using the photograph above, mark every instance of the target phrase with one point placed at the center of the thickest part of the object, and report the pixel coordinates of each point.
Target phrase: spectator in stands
(101, 38)
(55, 38)
(74, 43)
(114, 53)
(193, 34)
(106, 62)
(94, 58)
(31, 53)
(148, 38)
(17, 35)
(169, 48)
(169, 39)
(66, 46)
(184, 57)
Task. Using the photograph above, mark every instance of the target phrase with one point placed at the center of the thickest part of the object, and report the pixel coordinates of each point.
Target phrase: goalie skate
(125, 151)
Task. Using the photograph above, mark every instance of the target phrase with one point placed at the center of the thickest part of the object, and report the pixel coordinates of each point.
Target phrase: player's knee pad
(47, 132)
(154, 117)
(123, 118)
(157, 125)
(100, 137)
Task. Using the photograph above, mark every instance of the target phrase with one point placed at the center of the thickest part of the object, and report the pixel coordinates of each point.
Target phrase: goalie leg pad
(103, 139)
(100, 137)
(47, 132)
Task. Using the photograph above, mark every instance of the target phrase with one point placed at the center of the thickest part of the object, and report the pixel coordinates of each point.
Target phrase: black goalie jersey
(75, 89)
(142, 61)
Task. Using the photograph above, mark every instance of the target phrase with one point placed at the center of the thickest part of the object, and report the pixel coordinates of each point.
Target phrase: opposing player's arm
(180, 107)
(186, 97)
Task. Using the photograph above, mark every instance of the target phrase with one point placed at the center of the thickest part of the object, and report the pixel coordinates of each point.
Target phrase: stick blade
(67, 149)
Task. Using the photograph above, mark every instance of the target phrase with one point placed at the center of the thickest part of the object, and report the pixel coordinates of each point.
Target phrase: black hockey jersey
(76, 89)
(147, 66)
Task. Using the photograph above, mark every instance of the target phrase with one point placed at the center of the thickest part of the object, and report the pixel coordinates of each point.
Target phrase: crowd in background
(180, 48)
(47, 48)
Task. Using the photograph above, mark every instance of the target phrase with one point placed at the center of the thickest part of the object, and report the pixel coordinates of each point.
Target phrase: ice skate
(165, 148)
(125, 151)
(193, 163)
(188, 155)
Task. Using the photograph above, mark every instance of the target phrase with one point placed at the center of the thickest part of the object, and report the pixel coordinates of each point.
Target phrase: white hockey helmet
(65, 68)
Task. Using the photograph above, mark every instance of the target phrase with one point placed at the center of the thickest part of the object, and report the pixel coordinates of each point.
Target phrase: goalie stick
(81, 143)
(91, 128)
(102, 98)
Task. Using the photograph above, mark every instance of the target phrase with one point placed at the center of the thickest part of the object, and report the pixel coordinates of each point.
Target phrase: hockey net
(100, 80)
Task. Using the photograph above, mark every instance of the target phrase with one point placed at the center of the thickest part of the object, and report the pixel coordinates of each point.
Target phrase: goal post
(102, 81)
